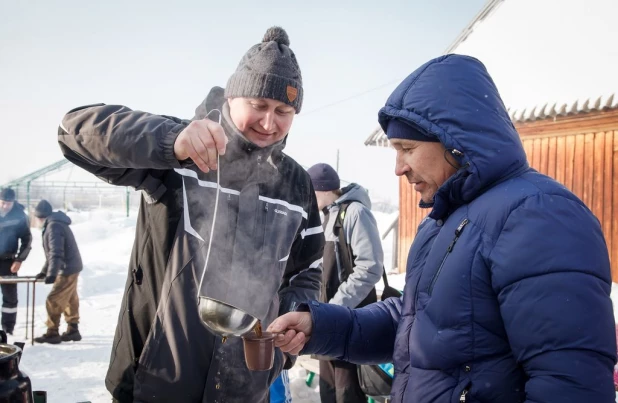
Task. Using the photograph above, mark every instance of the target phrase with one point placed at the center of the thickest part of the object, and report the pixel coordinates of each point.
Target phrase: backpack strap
(345, 255)
(384, 277)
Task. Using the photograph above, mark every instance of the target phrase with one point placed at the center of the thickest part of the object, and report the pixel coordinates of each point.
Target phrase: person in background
(353, 264)
(63, 263)
(15, 244)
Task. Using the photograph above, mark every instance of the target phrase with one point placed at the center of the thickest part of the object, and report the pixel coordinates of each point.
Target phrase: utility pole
(337, 167)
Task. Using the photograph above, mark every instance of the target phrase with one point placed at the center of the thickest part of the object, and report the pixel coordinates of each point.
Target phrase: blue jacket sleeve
(551, 273)
(360, 336)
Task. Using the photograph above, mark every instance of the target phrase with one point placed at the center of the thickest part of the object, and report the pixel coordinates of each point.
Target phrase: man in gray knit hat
(266, 239)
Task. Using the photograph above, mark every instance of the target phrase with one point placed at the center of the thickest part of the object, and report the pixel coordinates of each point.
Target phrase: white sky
(164, 57)
(549, 51)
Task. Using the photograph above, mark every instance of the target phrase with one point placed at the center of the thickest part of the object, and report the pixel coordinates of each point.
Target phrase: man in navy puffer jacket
(508, 279)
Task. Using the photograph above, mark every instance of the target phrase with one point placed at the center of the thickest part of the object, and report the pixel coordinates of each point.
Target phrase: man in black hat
(15, 241)
(63, 263)
(352, 265)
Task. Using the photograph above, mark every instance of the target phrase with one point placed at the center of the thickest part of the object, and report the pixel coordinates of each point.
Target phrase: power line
(351, 97)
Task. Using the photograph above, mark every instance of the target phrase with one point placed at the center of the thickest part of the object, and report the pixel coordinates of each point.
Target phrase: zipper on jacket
(458, 232)
(138, 274)
(463, 398)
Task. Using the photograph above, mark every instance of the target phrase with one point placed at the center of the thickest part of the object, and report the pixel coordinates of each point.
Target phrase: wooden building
(562, 100)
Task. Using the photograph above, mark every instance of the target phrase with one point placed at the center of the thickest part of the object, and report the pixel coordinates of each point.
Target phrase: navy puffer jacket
(508, 279)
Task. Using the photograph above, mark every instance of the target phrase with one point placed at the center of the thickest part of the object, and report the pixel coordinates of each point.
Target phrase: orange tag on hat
(292, 93)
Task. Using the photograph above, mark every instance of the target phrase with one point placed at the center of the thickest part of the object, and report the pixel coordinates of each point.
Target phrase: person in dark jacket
(352, 265)
(507, 293)
(266, 241)
(15, 243)
(63, 263)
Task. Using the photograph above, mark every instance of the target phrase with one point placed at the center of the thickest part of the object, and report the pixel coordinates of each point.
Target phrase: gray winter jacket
(362, 236)
(62, 256)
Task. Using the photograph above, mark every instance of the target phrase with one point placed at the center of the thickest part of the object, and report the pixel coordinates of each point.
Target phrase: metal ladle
(221, 318)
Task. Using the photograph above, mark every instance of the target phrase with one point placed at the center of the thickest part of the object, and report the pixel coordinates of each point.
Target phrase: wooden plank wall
(586, 163)
(409, 219)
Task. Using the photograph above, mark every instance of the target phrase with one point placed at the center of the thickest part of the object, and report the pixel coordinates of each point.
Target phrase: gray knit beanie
(269, 70)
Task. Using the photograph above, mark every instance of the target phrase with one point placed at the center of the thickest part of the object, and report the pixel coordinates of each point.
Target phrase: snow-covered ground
(75, 372)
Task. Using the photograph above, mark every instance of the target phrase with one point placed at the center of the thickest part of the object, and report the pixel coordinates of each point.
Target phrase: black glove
(40, 276)
(50, 279)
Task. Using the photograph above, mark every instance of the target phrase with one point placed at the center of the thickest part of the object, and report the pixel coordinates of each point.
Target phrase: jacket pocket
(458, 232)
(280, 225)
(123, 330)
